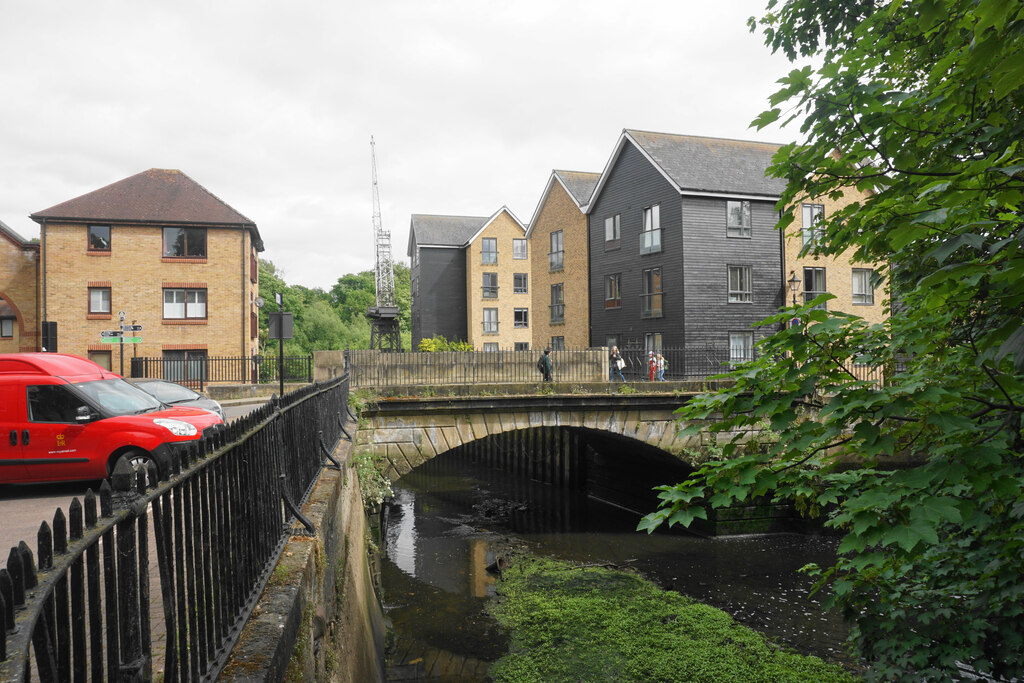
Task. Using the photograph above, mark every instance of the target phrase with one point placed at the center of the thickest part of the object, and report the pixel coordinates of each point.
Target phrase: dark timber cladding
(440, 296)
(695, 252)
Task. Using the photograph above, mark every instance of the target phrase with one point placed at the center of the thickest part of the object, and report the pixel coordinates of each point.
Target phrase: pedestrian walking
(615, 365)
(660, 365)
(546, 366)
(652, 365)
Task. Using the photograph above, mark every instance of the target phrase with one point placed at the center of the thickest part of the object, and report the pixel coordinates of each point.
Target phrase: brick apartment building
(163, 249)
(560, 262)
(19, 292)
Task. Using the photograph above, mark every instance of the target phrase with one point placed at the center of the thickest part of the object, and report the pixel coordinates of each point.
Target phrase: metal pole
(280, 345)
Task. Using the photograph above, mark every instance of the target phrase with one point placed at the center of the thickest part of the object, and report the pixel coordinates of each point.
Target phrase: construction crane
(383, 317)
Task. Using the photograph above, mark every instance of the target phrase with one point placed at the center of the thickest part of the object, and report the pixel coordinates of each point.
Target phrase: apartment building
(165, 251)
(559, 262)
(19, 292)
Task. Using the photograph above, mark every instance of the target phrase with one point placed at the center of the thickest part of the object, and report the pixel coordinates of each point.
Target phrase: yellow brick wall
(504, 228)
(559, 212)
(18, 288)
(838, 269)
(137, 274)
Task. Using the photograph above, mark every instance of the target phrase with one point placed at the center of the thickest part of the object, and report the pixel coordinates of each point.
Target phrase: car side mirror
(84, 414)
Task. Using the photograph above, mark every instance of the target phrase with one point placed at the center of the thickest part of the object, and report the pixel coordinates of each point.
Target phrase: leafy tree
(918, 102)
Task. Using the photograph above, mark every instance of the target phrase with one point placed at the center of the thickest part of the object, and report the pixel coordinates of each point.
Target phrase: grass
(572, 623)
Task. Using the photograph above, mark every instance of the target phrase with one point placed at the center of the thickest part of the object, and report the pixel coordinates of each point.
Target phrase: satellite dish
(259, 302)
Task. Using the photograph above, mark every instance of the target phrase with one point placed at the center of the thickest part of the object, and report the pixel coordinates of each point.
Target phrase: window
(611, 340)
(650, 297)
(491, 346)
(99, 238)
(521, 317)
(814, 284)
(613, 291)
(184, 242)
(557, 304)
(558, 343)
(650, 238)
(181, 366)
(490, 288)
(490, 321)
(519, 249)
(99, 299)
(489, 250)
(741, 347)
(737, 222)
(652, 342)
(100, 358)
(52, 403)
(555, 255)
(812, 216)
(863, 290)
(521, 346)
(184, 303)
(254, 325)
(520, 283)
(6, 328)
(739, 285)
(612, 232)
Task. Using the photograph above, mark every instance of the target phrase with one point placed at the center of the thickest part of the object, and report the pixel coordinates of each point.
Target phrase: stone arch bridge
(406, 432)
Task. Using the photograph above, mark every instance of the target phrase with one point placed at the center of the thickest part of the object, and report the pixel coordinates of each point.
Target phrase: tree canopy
(919, 104)
(331, 320)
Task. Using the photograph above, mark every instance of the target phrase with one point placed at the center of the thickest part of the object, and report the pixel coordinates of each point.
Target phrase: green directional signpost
(118, 336)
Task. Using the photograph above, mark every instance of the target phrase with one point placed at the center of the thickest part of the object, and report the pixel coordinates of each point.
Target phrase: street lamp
(794, 285)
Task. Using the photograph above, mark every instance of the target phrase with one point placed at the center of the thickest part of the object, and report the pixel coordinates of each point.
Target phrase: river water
(451, 518)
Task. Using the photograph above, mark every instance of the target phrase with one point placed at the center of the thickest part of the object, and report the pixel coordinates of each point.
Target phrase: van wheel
(138, 458)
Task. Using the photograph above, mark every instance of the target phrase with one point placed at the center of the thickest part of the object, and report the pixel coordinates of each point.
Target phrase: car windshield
(118, 397)
(169, 392)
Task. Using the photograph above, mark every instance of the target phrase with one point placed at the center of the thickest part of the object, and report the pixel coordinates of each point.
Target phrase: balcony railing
(650, 241)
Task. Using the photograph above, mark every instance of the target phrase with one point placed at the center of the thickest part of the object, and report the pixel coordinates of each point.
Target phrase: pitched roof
(164, 196)
(19, 241)
(443, 231)
(696, 164)
(578, 185)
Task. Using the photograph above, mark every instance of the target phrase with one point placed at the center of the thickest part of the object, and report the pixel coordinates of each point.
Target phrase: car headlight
(176, 427)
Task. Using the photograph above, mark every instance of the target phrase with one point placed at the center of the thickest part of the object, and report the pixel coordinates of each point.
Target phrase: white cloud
(271, 106)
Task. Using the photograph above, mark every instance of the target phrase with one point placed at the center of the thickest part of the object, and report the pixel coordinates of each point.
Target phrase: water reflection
(451, 518)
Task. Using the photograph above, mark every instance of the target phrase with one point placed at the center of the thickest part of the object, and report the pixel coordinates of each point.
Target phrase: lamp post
(794, 285)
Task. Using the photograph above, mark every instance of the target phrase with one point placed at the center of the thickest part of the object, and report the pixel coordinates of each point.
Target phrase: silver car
(176, 395)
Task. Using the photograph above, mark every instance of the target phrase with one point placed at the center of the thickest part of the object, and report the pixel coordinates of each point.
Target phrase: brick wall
(136, 274)
(559, 212)
(19, 290)
(505, 229)
(838, 269)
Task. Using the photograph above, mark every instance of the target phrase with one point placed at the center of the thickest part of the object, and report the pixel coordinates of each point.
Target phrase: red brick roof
(154, 196)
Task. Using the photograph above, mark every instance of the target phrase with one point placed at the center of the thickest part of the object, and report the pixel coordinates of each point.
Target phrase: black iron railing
(99, 607)
(197, 372)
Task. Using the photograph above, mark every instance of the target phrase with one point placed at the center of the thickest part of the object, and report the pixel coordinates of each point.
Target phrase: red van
(65, 418)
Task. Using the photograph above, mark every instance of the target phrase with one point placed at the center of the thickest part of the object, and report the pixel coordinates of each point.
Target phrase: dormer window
(99, 238)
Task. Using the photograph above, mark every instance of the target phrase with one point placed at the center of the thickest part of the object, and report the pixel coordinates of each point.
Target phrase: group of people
(655, 366)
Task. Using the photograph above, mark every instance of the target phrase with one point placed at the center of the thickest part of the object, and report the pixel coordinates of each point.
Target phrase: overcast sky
(271, 105)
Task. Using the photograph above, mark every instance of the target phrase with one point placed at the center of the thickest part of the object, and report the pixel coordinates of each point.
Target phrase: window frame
(110, 304)
(7, 320)
(556, 258)
(520, 346)
(491, 347)
(524, 287)
(489, 291)
(747, 348)
(811, 272)
(653, 341)
(743, 229)
(811, 234)
(739, 295)
(187, 244)
(485, 253)
(867, 297)
(187, 290)
(489, 321)
(525, 251)
(650, 277)
(88, 239)
(557, 307)
(613, 291)
(613, 232)
(523, 313)
(650, 230)
(557, 344)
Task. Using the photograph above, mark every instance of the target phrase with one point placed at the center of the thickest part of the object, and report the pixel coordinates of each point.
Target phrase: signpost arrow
(131, 328)
(110, 333)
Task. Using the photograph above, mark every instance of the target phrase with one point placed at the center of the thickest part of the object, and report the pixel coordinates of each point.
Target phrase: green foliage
(331, 320)
(439, 343)
(571, 623)
(918, 103)
(375, 486)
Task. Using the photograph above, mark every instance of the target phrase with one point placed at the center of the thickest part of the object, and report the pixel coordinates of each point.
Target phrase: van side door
(12, 421)
(53, 447)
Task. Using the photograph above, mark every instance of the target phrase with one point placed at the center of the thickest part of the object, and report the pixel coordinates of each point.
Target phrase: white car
(176, 395)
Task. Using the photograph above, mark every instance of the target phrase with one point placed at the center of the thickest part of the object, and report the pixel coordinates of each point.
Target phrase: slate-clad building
(683, 249)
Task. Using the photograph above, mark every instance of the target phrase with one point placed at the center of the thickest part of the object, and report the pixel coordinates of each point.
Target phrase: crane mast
(384, 334)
